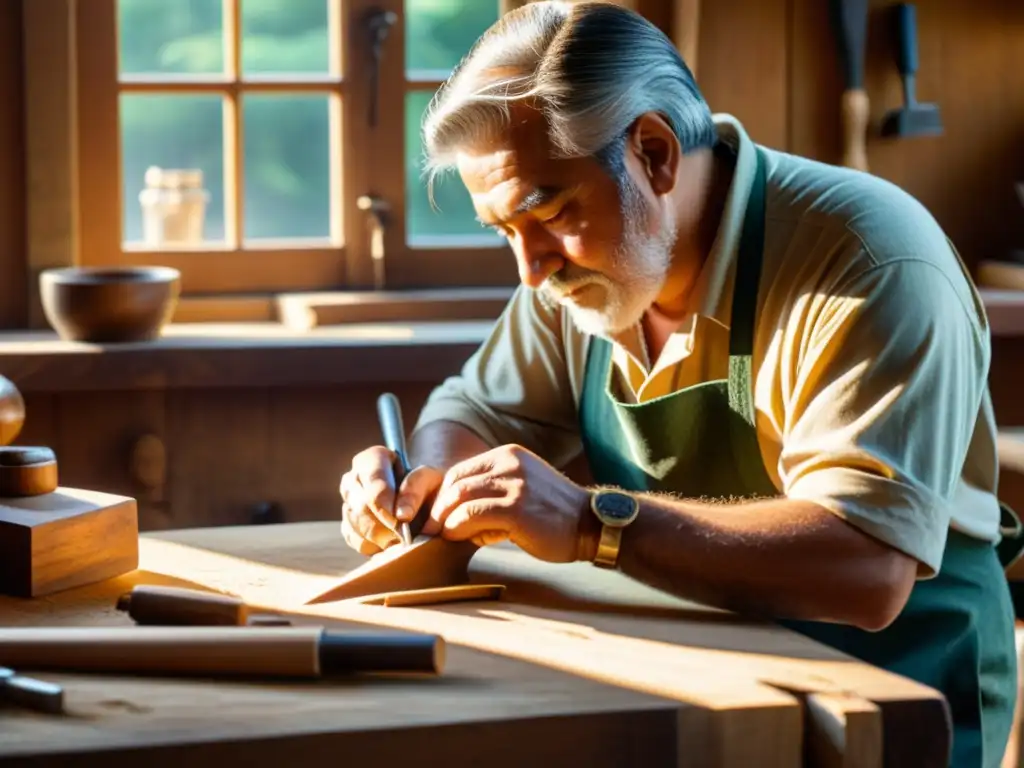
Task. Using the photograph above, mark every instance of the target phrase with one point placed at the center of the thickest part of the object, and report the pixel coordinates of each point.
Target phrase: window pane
(284, 36)
(287, 166)
(452, 218)
(179, 133)
(438, 33)
(171, 36)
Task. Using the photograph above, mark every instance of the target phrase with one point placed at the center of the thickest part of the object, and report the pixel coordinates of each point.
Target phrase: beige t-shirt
(870, 365)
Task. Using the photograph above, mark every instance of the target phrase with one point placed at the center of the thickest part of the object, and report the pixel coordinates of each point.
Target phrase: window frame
(367, 165)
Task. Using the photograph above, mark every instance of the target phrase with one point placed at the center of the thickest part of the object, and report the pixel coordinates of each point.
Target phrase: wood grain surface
(572, 663)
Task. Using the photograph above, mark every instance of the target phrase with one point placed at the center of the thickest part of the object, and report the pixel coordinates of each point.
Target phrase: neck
(698, 213)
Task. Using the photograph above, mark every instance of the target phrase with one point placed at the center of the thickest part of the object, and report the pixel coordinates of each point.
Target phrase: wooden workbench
(574, 666)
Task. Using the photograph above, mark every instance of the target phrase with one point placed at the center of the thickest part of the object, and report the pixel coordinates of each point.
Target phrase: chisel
(389, 413)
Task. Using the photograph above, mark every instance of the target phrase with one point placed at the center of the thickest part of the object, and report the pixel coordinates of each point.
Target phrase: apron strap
(744, 296)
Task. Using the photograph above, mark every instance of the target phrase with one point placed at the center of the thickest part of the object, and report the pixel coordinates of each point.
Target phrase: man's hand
(371, 509)
(510, 493)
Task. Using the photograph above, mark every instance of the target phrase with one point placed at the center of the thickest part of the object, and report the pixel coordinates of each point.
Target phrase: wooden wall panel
(314, 435)
(972, 65)
(96, 435)
(743, 62)
(13, 275)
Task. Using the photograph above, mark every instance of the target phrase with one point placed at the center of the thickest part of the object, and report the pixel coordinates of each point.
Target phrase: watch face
(615, 507)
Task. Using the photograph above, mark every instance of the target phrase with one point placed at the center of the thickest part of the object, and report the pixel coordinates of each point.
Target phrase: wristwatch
(615, 510)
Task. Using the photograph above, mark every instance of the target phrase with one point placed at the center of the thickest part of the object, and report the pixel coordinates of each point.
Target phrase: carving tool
(261, 652)
(912, 119)
(389, 413)
(176, 606)
(849, 25)
(30, 693)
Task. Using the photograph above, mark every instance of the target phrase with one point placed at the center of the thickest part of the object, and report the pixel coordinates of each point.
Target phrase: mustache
(569, 279)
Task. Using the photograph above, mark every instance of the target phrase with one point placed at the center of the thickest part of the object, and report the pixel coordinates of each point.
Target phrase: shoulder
(853, 225)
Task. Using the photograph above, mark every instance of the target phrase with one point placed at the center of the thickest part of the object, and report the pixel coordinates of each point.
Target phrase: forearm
(441, 444)
(776, 558)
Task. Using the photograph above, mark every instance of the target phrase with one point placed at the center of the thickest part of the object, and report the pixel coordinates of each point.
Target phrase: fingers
(479, 520)
(374, 470)
(417, 487)
(353, 539)
(450, 496)
(490, 537)
(366, 527)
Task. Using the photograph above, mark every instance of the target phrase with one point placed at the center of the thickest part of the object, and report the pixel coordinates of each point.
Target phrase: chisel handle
(389, 413)
(906, 31)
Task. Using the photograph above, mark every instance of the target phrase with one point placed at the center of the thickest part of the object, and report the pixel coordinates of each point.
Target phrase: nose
(537, 260)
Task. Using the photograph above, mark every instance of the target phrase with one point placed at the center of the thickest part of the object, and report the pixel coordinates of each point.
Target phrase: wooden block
(65, 539)
(430, 562)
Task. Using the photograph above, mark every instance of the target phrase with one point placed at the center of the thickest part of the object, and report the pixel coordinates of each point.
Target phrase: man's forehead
(514, 171)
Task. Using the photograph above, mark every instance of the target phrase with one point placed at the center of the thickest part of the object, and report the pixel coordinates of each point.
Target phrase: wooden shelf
(204, 355)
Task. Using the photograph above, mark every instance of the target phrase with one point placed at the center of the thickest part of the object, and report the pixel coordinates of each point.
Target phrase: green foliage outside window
(285, 159)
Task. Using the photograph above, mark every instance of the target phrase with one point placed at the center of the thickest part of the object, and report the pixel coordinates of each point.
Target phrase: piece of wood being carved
(438, 596)
(430, 562)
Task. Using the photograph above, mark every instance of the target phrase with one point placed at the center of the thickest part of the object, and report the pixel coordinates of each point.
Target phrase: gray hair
(592, 69)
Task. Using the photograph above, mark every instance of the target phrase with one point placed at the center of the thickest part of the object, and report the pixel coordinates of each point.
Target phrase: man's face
(597, 246)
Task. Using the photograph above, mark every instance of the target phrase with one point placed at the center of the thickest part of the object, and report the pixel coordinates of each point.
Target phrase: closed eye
(560, 218)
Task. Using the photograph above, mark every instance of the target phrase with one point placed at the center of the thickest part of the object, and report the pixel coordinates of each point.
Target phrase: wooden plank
(13, 274)
(597, 624)
(200, 355)
(849, 732)
(686, 31)
(218, 446)
(225, 309)
(97, 438)
(51, 112)
(315, 433)
(713, 720)
(744, 48)
(305, 311)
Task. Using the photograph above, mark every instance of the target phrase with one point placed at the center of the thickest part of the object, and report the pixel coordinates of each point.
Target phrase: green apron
(955, 633)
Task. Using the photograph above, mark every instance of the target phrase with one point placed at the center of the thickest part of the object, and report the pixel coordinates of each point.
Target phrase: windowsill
(1005, 311)
(249, 354)
(274, 354)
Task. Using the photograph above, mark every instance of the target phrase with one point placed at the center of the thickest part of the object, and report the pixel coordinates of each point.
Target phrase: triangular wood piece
(428, 563)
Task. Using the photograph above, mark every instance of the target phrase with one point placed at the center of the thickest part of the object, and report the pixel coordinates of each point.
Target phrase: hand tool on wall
(30, 693)
(849, 26)
(913, 118)
(261, 652)
(175, 606)
(389, 413)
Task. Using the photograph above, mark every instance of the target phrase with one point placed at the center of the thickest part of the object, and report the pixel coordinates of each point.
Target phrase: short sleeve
(888, 379)
(516, 387)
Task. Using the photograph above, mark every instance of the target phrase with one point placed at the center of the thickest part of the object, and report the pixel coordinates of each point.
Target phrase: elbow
(878, 604)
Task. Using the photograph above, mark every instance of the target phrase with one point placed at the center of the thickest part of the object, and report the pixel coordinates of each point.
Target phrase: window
(256, 145)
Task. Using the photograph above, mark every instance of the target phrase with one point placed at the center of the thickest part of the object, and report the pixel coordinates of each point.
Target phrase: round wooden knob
(12, 411)
(27, 471)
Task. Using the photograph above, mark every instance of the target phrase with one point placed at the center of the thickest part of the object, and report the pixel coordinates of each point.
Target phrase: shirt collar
(712, 295)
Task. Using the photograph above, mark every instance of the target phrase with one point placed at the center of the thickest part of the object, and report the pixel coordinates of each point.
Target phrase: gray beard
(644, 258)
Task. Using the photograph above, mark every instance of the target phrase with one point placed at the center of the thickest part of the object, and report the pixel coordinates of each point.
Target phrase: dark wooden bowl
(109, 304)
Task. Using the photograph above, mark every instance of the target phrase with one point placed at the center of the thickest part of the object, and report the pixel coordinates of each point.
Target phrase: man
(774, 368)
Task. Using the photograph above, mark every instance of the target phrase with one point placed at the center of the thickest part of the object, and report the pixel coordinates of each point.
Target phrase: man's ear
(657, 150)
